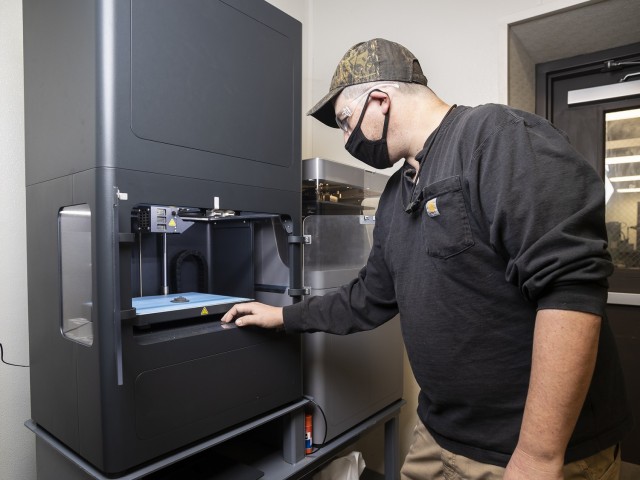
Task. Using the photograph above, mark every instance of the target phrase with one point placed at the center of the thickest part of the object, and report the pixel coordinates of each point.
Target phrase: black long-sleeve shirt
(511, 220)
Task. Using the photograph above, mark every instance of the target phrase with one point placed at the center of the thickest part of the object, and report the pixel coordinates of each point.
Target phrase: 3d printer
(139, 115)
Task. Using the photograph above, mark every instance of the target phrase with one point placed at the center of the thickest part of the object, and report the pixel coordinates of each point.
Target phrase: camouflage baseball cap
(371, 61)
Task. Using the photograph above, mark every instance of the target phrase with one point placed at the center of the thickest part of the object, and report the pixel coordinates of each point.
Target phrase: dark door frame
(549, 72)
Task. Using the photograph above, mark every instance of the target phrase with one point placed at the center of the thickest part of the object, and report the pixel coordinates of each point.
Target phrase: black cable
(326, 425)
(203, 270)
(8, 363)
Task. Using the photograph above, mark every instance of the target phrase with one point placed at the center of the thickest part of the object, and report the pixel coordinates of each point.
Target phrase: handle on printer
(116, 292)
(296, 287)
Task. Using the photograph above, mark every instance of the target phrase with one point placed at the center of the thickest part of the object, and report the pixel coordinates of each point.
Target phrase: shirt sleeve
(544, 207)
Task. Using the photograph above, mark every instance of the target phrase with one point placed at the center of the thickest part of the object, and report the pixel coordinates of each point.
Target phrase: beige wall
(459, 43)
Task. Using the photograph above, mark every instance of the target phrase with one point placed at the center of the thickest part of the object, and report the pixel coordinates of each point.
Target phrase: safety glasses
(342, 118)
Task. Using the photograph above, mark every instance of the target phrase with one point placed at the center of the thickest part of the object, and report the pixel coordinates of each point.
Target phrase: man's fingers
(227, 317)
(254, 313)
(231, 314)
(235, 311)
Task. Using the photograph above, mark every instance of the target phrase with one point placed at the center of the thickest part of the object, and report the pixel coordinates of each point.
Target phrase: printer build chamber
(139, 115)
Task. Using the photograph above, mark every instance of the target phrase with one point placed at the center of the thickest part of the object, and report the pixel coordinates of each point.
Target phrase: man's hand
(255, 313)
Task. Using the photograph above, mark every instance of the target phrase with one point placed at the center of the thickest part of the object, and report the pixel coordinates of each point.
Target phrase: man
(490, 243)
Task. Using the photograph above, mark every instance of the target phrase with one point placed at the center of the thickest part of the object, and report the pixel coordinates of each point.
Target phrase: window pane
(75, 268)
(622, 172)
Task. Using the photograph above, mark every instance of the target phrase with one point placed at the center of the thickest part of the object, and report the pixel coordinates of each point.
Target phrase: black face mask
(372, 152)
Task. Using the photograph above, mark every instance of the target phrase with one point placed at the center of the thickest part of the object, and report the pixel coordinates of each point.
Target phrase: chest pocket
(445, 223)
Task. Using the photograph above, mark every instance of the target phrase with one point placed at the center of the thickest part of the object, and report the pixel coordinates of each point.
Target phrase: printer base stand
(236, 454)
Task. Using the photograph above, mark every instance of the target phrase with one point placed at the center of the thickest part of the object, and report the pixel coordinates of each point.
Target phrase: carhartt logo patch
(432, 207)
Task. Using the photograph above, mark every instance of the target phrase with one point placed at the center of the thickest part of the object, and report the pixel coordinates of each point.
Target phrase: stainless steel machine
(163, 185)
(349, 377)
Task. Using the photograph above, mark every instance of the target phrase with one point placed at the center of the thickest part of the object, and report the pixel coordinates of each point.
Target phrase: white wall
(457, 42)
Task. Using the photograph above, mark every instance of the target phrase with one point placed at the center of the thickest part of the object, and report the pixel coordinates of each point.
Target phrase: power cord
(318, 446)
(9, 363)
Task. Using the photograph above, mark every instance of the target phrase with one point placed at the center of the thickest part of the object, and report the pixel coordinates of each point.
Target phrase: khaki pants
(426, 460)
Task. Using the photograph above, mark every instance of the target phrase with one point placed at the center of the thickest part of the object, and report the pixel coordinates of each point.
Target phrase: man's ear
(383, 100)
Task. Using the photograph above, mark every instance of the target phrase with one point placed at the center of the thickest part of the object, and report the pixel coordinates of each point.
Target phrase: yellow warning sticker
(172, 223)
(204, 311)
